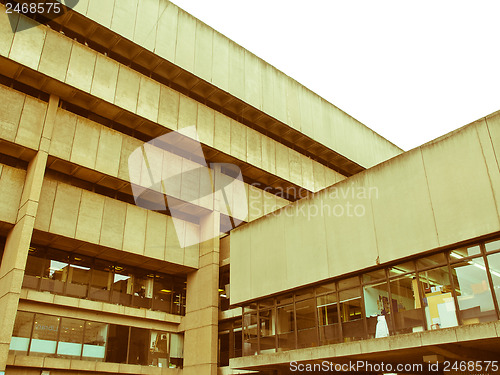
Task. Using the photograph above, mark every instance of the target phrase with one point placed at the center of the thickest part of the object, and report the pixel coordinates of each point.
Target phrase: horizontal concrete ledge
(385, 348)
(229, 314)
(77, 365)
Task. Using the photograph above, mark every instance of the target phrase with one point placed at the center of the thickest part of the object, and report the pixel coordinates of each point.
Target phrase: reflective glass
(78, 276)
(407, 312)
(94, 344)
(431, 261)
(101, 281)
(267, 326)
(250, 334)
(286, 328)
(22, 331)
(376, 297)
(492, 245)
(70, 338)
(307, 334)
(45, 332)
(55, 272)
(328, 319)
(351, 315)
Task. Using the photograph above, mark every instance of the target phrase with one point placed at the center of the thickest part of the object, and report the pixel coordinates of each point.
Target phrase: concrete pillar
(202, 302)
(19, 238)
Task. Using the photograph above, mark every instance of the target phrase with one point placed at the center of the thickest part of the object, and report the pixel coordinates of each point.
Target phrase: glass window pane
(349, 283)
(158, 352)
(94, 343)
(163, 292)
(55, 272)
(176, 350)
(267, 303)
(250, 334)
(473, 292)
(407, 313)
(70, 338)
(377, 303)
(373, 276)
(143, 288)
(494, 266)
(493, 245)
(303, 294)
(34, 268)
(307, 334)
(399, 269)
(139, 346)
(45, 332)
(326, 288)
(284, 299)
(431, 261)
(464, 252)
(351, 314)
(101, 281)
(122, 286)
(439, 304)
(117, 345)
(179, 305)
(286, 328)
(267, 326)
(22, 332)
(78, 276)
(328, 319)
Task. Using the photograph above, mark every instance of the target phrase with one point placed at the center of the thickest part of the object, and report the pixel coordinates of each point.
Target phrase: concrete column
(202, 302)
(19, 238)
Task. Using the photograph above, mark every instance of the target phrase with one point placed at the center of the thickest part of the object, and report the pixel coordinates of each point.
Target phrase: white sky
(410, 70)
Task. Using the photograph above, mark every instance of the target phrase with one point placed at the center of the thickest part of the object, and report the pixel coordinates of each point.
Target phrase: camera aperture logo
(170, 173)
(48, 9)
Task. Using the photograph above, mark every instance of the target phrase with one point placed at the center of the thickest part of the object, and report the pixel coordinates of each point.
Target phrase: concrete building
(283, 235)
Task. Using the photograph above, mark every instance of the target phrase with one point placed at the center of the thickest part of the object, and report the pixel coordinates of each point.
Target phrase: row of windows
(80, 276)
(52, 336)
(450, 288)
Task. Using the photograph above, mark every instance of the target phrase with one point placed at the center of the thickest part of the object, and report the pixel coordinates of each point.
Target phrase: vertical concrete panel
(149, 98)
(85, 143)
(282, 161)
(127, 89)
(307, 173)
(28, 43)
(350, 238)
(237, 70)
(295, 167)
(220, 58)
(267, 72)
(11, 186)
(81, 67)
(255, 203)
(190, 181)
(6, 30)
(108, 152)
(113, 223)
(123, 21)
(146, 23)
(240, 272)
(280, 96)
(168, 114)
(101, 11)
(31, 123)
(129, 145)
(267, 265)
(205, 125)
(63, 134)
(89, 222)
(458, 201)
(238, 140)
(327, 129)
(293, 104)
(105, 77)
(253, 80)
(81, 7)
(493, 125)
(222, 133)
(306, 114)
(254, 147)
(166, 31)
(186, 36)
(192, 253)
(317, 119)
(55, 55)
(11, 107)
(400, 199)
(173, 251)
(319, 176)
(156, 232)
(188, 112)
(268, 154)
(203, 51)
(172, 167)
(332, 177)
(65, 211)
(45, 205)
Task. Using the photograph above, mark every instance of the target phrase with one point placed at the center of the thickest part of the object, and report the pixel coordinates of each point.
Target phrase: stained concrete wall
(439, 194)
(11, 188)
(82, 68)
(171, 33)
